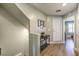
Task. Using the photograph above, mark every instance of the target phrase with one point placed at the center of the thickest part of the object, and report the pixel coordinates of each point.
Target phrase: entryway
(69, 35)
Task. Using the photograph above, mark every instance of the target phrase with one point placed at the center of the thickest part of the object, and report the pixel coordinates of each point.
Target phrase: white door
(57, 29)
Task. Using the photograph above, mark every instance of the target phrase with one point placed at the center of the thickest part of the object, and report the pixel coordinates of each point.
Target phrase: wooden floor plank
(59, 49)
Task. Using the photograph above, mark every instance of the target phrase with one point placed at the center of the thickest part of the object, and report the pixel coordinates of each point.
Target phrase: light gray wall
(51, 28)
(77, 30)
(57, 29)
(13, 35)
(33, 15)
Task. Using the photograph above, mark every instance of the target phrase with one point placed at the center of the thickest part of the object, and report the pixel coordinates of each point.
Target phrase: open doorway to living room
(69, 35)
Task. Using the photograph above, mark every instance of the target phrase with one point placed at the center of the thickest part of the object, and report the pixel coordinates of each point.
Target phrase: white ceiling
(50, 8)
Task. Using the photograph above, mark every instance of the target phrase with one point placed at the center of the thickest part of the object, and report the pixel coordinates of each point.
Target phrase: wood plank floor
(66, 49)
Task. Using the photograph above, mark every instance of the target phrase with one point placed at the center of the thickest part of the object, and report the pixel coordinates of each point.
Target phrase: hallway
(69, 47)
(22, 24)
(61, 49)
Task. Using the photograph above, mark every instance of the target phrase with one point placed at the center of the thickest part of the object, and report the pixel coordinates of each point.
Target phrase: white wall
(77, 30)
(57, 29)
(54, 23)
(13, 35)
(33, 14)
(49, 28)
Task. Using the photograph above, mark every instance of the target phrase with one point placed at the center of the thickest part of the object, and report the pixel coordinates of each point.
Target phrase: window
(71, 27)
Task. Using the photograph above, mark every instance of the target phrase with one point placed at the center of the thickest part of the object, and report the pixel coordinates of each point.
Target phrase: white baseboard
(19, 54)
(56, 42)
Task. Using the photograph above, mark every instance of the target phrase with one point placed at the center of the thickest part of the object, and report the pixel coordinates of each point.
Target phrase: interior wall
(57, 29)
(77, 30)
(13, 35)
(33, 14)
(49, 28)
(54, 22)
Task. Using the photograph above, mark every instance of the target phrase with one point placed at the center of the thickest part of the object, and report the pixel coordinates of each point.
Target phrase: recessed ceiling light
(64, 4)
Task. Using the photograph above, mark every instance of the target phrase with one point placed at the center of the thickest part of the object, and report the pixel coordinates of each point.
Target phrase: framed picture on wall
(41, 23)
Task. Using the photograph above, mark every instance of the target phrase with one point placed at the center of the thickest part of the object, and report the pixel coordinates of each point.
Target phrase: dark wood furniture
(43, 41)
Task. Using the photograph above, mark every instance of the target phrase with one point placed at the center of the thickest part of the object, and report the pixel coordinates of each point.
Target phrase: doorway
(69, 30)
(69, 35)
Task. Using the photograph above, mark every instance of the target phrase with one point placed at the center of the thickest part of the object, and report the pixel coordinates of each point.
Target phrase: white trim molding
(57, 42)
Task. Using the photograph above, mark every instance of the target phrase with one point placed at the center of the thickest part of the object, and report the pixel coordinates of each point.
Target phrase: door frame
(66, 19)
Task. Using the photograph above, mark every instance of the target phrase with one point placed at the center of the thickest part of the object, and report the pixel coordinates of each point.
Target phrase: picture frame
(41, 23)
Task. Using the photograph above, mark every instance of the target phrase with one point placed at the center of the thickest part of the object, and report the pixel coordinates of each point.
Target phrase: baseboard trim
(56, 42)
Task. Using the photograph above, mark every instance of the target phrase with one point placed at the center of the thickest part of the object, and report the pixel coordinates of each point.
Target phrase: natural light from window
(71, 27)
